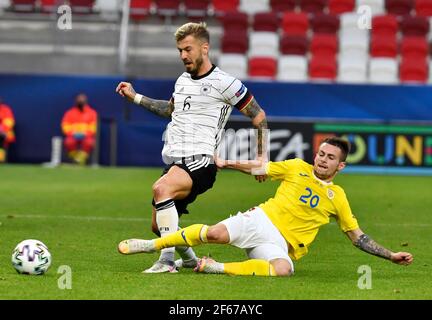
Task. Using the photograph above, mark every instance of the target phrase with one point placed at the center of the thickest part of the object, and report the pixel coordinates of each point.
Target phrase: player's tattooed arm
(160, 107)
(365, 243)
(257, 114)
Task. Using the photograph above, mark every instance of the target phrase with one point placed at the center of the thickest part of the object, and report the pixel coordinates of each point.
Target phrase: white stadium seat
(376, 6)
(354, 45)
(352, 70)
(292, 68)
(383, 71)
(234, 64)
(253, 6)
(263, 44)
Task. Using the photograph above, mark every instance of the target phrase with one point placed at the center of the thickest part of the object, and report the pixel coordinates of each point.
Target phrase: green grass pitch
(82, 213)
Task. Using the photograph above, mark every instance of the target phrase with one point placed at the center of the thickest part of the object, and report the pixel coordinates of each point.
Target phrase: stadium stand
(313, 6)
(423, 8)
(325, 23)
(234, 64)
(295, 23)
(280, 6)
(254, 6)
(293, 45)
(399, 7)
(262, 68)
(383, 71)
(341, 6)
(221, 7)
(292, 68)
(265, 21)
(352, 70)
(376, 6)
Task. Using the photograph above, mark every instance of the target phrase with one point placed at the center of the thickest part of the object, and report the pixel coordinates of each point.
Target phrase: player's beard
(197, 66)
(324, 176)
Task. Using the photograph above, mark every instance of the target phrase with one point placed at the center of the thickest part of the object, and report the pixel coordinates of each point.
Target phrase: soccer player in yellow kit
(282, 228)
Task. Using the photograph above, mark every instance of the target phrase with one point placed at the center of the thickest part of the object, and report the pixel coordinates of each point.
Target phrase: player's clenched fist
(125, 89)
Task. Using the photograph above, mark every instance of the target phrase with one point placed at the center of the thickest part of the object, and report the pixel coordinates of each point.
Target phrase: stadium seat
(354, 45)
(263, 44)
(414, 26)
(349, 23)
(322, 68)
(235, 42)
(48, 6)
(376, 6)
(414, 48)
(235, 22)
(312, 6)
(139, 9)
(82, 6)
(293, 45)
(324, 45)
(383, 71)
(220, 7)
(413, 71)
(295, 23)
(292, 68)
(254, 6)
(262, 67)
(385, 25)
(196, 9)
(280, 6)
(341, 6)
(167, 8)
(23, 5)
(423, 8)
(265, 21)
(352, 70)
(399, 7)
(384, 46)
(325, 23)
(234, 64)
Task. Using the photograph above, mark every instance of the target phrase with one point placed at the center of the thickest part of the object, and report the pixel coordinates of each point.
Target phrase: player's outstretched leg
(132, 246)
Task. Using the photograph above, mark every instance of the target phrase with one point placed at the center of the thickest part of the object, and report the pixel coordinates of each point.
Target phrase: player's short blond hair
(197, 30)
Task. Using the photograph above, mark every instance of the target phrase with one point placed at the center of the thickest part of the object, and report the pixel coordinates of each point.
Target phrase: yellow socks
(191, 236)
(250, 267)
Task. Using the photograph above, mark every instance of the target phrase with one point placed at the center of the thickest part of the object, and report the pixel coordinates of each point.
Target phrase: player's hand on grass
(125, 89)
(261, 178)
(403, 258)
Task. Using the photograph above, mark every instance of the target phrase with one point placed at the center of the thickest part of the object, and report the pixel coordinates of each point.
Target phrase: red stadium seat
(341, 6)
(235, 22)
(196, 8)
(262, 67)
(323, 67)
(324, 45)
(313, 6)
(23, 5)
(295, 23)
(139, 9)
(220, 7)
(82, 6)
(423, 8)
(384, 46)
(167, 8)
(48, 6)
(281, 6)
(414, 26)
(413, 70)
(293, 45)
(414, 48)
(325, 23)
(399, 7)
(385, 25)
(266, 21)
(235, 42)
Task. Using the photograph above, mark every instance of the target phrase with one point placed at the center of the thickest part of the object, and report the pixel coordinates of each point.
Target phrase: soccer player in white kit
(199, 108)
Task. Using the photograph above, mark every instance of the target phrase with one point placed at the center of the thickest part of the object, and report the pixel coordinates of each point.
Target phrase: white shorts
(252, 230)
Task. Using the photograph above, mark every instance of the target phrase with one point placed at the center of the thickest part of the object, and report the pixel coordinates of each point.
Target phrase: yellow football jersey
(303, 203)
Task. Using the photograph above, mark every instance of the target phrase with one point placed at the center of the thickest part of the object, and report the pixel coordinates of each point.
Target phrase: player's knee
(218, 234)
(282, 268)
(160, 190)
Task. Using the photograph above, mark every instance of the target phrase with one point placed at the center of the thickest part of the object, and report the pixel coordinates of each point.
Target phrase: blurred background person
(79, 125)
(7, 135)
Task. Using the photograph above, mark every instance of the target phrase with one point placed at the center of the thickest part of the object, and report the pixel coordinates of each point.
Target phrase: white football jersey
(202, 106)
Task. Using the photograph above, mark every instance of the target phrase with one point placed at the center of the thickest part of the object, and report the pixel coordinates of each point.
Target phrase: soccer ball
(31, 257)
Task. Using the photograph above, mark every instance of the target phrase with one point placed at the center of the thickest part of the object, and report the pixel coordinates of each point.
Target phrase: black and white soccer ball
(31, 257)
